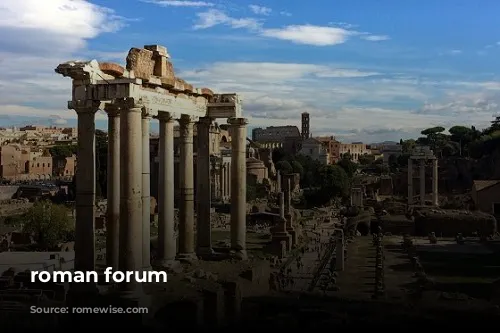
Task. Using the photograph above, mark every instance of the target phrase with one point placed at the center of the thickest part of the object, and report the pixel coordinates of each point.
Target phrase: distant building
(64, 167)
(314, 149)
(286, 137)
(332, 147)
(274, 133)
(305, 126)
(355, 149)
(389, 150)
(486, 196)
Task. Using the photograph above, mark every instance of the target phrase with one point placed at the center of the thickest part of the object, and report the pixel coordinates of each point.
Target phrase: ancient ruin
(148, 89)
(422, 155)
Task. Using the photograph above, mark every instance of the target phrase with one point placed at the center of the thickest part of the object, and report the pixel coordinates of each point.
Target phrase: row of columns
(435, 190)
(129, 212)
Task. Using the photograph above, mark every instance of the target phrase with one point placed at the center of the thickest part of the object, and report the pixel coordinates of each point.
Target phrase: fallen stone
(111, 69)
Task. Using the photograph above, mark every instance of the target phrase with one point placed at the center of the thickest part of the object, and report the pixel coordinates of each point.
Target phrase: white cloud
(306, 34)
(259, 10)
(215, 17)
(309, 34)
(285, 13)
(470, 104)
(52, 26)
(179, 3)
(375, 38)
(35, 36)
(269, 72)
(351, 103)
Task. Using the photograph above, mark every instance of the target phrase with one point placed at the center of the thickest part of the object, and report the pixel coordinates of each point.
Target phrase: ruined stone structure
(131, 97)
(422, 155)
(357, 196)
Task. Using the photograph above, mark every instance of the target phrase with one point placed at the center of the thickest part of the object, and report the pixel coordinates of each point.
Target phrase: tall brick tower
(305, 125)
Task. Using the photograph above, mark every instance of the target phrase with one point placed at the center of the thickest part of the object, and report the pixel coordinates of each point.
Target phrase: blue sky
(364, 70)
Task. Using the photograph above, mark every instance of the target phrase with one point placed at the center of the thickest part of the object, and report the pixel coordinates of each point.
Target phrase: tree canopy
(49, 223)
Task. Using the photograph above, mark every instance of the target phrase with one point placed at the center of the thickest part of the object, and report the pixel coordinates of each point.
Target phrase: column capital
(187, 119)
(129, 103)
(84, 106)
(164, 116)
(237, 121)
(205, 120)
(112, 110)
(146, 113)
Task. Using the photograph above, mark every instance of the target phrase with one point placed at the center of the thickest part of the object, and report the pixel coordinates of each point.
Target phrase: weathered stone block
(178, 85)
(167, 82)
(207, 92)
(181, 85)
(141, 62)
(160, 50)
(111, 69)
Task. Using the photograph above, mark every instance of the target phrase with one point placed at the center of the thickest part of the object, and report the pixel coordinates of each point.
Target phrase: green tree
(348, 165)
(408, 145)
(49, 223)
(63, 150)
(278, 155)
(435, 138)
(366, 159)
(297, 167)
(284, 167)
(335, 181)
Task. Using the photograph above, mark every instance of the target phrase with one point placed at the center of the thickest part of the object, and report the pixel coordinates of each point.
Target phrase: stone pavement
(357, 279)
(301, 272)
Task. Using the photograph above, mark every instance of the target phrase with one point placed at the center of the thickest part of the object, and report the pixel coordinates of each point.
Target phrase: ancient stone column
(186, 184)
(422, 182)
(85, 186)
(221, 181)
(288, 210)
(166, 220)
(435, 182)
(238, 186)
(203, 193)
(226, 181)
(113, 187)
(131, 190)
(282, 205)
(278, 181)
(410, 181)
(146, 193)
(288, 196)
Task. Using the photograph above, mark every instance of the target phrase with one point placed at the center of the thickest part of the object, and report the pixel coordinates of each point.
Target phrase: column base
(186, 257)
(239, 254)
(205, 252)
